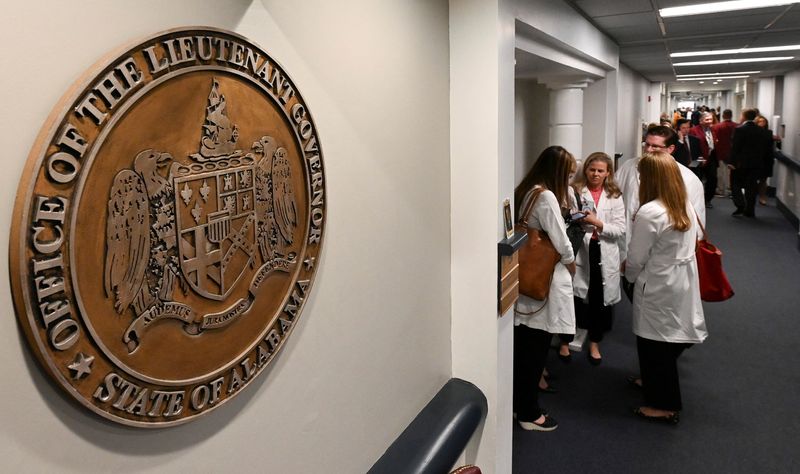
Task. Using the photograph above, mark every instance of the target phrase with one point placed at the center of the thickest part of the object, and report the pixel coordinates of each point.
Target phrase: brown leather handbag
(537, 257)
(469, 469)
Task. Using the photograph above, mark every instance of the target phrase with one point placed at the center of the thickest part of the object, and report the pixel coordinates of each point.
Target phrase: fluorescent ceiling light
(709, 78)
(718, 74)
(704, 8)
(791, 47)
(701, 82)
(735, 61)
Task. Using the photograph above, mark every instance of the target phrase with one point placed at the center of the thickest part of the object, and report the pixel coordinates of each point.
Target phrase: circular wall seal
(167, 227)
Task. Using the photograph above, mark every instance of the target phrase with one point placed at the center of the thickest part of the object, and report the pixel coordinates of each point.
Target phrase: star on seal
(82, 365)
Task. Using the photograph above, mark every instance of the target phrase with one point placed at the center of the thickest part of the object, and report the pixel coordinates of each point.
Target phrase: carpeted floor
(741, 388)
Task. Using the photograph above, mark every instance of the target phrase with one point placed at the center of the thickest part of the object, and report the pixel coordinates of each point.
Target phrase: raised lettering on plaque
(167, 228)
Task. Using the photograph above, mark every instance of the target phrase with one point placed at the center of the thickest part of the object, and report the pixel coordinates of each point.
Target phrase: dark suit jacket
(724, 138)
(751, 146)
(682, 155)
(698, 132)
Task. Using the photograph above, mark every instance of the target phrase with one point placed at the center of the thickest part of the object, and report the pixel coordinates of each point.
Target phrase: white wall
(632, 110)
(481, 139)
(373, 344)
(531, 124)
(791, 113)
(599, 117)
(567, 28)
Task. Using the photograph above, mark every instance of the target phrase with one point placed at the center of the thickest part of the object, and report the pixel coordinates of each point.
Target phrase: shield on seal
(216, 227)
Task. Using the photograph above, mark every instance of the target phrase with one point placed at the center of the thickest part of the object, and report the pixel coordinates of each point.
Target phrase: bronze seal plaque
(168, 227)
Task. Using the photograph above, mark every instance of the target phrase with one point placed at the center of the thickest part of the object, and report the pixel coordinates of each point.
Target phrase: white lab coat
(661, 260)
(558, 314)
(628, 180)
(611, 211)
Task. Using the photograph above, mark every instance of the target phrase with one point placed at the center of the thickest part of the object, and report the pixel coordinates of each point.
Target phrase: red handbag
(714, 284)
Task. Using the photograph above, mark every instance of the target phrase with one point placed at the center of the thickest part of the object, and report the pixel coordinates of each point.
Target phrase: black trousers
(658, 362)
(530, 353)
(747, 180)
(593, 316)
(708, 175)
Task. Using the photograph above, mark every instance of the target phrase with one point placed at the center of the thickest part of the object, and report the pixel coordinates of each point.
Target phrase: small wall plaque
(509, 223)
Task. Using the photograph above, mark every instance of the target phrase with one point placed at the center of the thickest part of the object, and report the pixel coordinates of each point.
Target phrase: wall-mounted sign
(168, 225)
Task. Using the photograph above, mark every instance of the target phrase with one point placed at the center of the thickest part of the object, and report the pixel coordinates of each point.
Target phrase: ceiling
(646, 40)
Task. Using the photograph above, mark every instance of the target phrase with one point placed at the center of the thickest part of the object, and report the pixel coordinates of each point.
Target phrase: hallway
(739, 387)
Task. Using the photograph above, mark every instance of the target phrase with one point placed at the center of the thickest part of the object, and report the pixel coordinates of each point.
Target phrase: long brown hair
(609, 185)
(551, 171)
(660, 178)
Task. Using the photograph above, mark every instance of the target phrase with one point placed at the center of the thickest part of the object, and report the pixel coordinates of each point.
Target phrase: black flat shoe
(632, 381)
(565, 358)
(595, 361)
(672, 419)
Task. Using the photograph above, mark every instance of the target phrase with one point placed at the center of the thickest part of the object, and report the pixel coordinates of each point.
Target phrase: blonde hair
(660, 178)
(609, 185)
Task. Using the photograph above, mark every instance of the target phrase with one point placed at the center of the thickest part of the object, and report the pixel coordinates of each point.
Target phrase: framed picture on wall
(507, 218)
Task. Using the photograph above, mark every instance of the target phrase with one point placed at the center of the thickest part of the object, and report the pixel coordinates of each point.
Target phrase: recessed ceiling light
(704, 8)
(701, 82)
(718, 74)
(716, 52)
(735, 61)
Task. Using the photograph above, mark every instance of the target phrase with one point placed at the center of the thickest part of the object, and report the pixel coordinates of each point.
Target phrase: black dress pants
(745, 179)
(708, 175)
(530, 353)
(658, 362)
(594, 316)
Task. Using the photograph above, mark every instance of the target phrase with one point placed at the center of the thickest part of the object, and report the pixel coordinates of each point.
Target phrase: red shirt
(724, 138)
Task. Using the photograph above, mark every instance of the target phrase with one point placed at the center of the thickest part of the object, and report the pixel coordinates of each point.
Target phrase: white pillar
(566, 116)
(766, 97)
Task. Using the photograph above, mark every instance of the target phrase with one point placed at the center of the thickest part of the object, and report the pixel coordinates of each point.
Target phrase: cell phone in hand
(578, 216)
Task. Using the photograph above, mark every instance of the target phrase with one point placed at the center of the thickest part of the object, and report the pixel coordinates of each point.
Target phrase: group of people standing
(638, 226)
(731, 159)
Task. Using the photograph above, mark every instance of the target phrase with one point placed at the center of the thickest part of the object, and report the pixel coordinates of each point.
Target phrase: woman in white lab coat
(596, 284)
(535, 322)
(667, 312)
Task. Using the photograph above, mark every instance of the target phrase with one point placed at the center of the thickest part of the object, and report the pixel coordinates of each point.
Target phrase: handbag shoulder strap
(523, 217)
(702, 227)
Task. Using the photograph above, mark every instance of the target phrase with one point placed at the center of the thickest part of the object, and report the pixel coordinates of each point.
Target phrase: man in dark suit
(724, 133)
(751, 144)
(707, 171)
(687, 150)
(695, 116)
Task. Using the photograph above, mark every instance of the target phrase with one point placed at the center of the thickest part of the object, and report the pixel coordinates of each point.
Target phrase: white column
(766, 97)
(566, 116)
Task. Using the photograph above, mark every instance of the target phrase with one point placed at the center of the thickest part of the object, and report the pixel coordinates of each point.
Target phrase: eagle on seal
(276, 209)
(141, 264)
